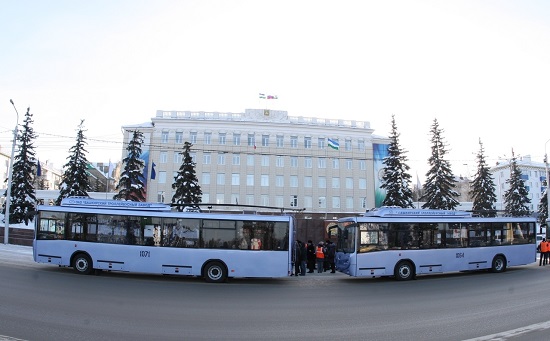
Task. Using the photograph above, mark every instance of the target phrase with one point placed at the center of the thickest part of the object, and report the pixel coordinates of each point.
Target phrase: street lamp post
(547, 183)
(8, 193)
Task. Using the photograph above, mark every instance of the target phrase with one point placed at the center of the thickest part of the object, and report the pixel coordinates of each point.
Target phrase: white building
(265, 157)
(532, 173)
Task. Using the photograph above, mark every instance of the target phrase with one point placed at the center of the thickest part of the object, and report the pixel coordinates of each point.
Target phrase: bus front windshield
(346, 237)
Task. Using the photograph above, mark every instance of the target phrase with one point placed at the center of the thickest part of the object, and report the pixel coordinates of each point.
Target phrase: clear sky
(482, 68)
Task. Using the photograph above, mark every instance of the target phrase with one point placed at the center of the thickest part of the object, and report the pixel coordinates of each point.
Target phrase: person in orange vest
(320, 256)
(543, 252)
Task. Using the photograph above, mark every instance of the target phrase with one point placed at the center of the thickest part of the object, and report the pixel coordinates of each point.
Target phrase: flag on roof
(262, 96)
(272, 97)
(333, 144)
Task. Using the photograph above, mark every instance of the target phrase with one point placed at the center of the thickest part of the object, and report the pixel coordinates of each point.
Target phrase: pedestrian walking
(330, 255)
(311, 258)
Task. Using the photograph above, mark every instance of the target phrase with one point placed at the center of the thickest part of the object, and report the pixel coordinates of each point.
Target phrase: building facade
(266, 158)
(532, 173)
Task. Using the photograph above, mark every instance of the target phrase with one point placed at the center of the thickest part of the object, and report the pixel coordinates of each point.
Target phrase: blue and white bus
(403, 243)
(91, 235)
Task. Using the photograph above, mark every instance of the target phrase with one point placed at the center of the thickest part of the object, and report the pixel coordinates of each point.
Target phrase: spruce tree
(396, 180)
(439, 190)
(482, 188)
(516, 197)
(23, 193)
(74, 181)
(131, 186)
(186, 183)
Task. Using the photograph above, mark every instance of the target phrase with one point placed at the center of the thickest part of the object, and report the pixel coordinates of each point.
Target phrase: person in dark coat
(330, 255)
(311, 258)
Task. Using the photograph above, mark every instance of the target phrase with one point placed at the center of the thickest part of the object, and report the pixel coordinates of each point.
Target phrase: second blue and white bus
(403, 243)
(91, 235)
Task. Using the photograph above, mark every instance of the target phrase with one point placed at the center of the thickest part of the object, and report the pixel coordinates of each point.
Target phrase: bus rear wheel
(499, 264)
(82, 264)
(404, 271)
(215, 272)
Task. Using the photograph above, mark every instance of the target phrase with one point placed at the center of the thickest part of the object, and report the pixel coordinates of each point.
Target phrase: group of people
(544, 249)
(308, 256)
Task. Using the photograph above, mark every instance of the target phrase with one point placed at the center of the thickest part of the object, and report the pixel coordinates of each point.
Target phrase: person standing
(543, 260)
(310, 256)
(303, 257)
(320, 256)
(547, 253)
(330, 255)
(296, 258)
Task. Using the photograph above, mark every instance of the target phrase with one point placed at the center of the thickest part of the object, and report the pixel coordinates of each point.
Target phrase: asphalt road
(45, 302)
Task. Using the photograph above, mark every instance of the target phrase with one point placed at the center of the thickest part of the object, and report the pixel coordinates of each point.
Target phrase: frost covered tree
(482, 188)
(74, 181)
(186, 183)
(23, 193)
(439, 190)
(516, 197)
(396, 180)
(131, 184)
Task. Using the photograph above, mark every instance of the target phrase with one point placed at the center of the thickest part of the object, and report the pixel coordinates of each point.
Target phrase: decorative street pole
(8, 195)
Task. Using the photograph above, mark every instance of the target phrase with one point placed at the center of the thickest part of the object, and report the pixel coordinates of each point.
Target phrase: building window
(221, 139)
(206, 158)
(280, 161)
(335, 182)
(363, 203)
(335, 163)
(237, 139)
(264, 178)
(279, 201)
(293, 161)
(235, 179)
(265, 140)
(264, 200)
(362, 183)
(322, 162)
(160, 196)
(220, 198)
(179, 137)
(235, 198)
(193, 157)
(250, 179)
(362, 165)
(293, 200)
(279, 181)
(250, 199)
(205, 198)
(207, 138)
(347, 144)
(163, 157)
(294, 181)
(164, 137)
(349, 164)
(250, 160)
(193, 137)
(321, 142)
(335, 202)
(349, 203)
(206, 178)
(220, 178)
(162, 177)
(280, 141)
(322, 202)
(361, 145)
(308, 182)
(294, 142)
(251, 140)
(221, 158)
(307, 142)
(265, 160)
(322, 182)
(236, 159)
(308, 163)
(308, 201)
(349, 183)
(178, 157)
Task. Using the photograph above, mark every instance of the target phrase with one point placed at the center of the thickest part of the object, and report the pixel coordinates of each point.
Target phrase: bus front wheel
(404, 271)
(499, 264)
(82, 264)
(215, 272)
